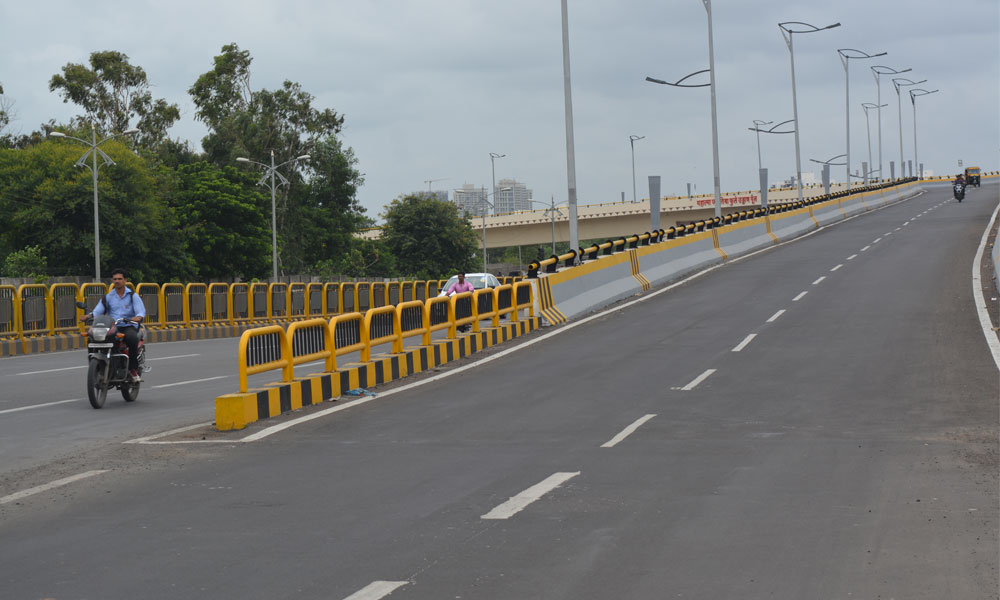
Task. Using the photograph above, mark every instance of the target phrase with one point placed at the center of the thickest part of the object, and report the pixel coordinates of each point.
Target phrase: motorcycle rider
(123, 303)
(960, 180)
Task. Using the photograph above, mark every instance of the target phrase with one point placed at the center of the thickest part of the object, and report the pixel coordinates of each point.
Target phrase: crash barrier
(37, 318)
(271, 348)
(585, 279)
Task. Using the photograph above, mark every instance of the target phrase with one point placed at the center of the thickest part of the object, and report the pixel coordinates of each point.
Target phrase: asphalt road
(816, 421)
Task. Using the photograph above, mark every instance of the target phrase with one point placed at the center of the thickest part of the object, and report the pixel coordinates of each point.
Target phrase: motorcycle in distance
(959, 190)
(107, 357)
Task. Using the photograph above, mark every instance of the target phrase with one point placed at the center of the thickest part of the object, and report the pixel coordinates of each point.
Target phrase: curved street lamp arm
(812, 28)
(899, 82)
(829, 161)
(678, 82)
(889, 70)
(772, 130)
(843, 52)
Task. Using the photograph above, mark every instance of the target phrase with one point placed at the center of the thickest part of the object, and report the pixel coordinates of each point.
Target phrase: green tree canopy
(112, 92)
(49, 203)
(224, 221)
(428, 237)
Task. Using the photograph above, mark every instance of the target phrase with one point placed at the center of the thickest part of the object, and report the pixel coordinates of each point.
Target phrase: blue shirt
(128, 306)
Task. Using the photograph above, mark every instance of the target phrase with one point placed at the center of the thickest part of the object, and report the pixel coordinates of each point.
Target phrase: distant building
(470, 200)
(517, 197)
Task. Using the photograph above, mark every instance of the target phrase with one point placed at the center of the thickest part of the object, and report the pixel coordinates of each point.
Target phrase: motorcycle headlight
(99, 333)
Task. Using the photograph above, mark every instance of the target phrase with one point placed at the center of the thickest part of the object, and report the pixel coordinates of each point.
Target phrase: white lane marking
(899, 228)
(268, 431)
(905, 224)
(887, 233)
(312, 364)
(187, 382)
(376, 590)
(52, 370)
(775, 316)
(11, 410)
(820, 280)
(626, 432)
(865, 249)
(144, 440)
(799, 297)
(698, 380)
(519, 502)
(852, 257)
(992, 337)
(48, 486)
(877, 240)
(171, 357)
(745, 343)
(837, 268)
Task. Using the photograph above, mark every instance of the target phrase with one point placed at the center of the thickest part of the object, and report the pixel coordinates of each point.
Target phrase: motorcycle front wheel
(97, 391)
(130, 391)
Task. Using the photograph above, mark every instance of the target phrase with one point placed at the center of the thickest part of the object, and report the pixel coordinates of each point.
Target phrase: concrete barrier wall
(574, 291)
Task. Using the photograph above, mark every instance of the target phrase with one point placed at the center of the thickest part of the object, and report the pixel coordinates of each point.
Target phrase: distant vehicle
(959, 191)
(972, 176)
(478, 280)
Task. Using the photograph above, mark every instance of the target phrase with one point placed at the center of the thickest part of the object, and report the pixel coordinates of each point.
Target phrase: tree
(363, 258)
(113, 93)
(318, 211)
(29, 262)
(428, 237)
(47, 202)
(224, 221)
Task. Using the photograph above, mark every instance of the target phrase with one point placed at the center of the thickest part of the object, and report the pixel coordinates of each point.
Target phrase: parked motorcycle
(108, 360)
(959, 190)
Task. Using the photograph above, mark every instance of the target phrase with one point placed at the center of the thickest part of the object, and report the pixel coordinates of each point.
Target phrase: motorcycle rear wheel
(130, 391)
(97, 392)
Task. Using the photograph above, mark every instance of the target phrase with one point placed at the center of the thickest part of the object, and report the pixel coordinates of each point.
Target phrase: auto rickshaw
(972, 176)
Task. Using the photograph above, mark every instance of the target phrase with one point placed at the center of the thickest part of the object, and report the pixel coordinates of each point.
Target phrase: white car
(478, 281)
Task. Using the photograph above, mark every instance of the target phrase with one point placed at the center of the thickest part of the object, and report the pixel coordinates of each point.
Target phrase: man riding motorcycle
(123, 303)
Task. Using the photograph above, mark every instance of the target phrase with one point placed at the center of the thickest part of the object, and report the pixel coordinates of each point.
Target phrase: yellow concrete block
(235, 411)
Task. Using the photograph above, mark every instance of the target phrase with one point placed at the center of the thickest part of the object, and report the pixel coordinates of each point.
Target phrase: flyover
(818, 419)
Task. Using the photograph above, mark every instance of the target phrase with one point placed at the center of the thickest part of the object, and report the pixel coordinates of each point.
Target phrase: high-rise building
(511, 196)
(471, 200)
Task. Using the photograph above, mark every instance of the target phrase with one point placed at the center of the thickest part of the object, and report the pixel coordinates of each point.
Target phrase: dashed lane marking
(775, 316)
(626, 432)
(745, 343)
(698, 380)
(521, 501)
(376, 590)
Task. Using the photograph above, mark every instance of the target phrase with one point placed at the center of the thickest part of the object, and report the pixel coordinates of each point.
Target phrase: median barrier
(746, 236)
(272, 348)
(792, 223)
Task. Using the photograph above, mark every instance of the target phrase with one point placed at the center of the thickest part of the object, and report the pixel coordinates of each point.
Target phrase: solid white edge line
(820, 280)
(775, 316)
(146, 439)
(626, 432)
(746, 341)
(565, 327)
(799, 297)
(13, 410)
(165, 385)
(992, 338)
(170, 357)
(698, 380)
(51, 370)
(48, 486)
(521, 501)
(376, 590)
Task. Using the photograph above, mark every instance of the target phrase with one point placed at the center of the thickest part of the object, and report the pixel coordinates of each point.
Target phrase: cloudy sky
(429, 88)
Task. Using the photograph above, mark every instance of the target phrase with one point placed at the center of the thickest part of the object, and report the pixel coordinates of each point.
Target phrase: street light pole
(574, 241)
(786, 33)
(81, 162)
(715, 119)
(876, 71)
(270, 172)
(631, 140)
(757, 124)
(897, 83)
(493, 157)
(846, 54)
(913, 100)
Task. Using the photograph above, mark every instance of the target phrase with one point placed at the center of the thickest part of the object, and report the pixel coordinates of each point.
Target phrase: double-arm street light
(788, 28)
(871, 166)
(93, 151)
(493, 168)
(631, 140)
(715, 121)
(877, 71)
(846, 54)
(757, 124)
(900, 82)
(913, 100)
(270, 172)
(826, 170)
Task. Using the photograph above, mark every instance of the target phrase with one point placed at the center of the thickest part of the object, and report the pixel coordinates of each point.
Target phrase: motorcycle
(108, 359)
(959, 191)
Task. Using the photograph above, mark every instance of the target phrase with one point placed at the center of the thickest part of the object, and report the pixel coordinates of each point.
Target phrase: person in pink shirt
(460, 286)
